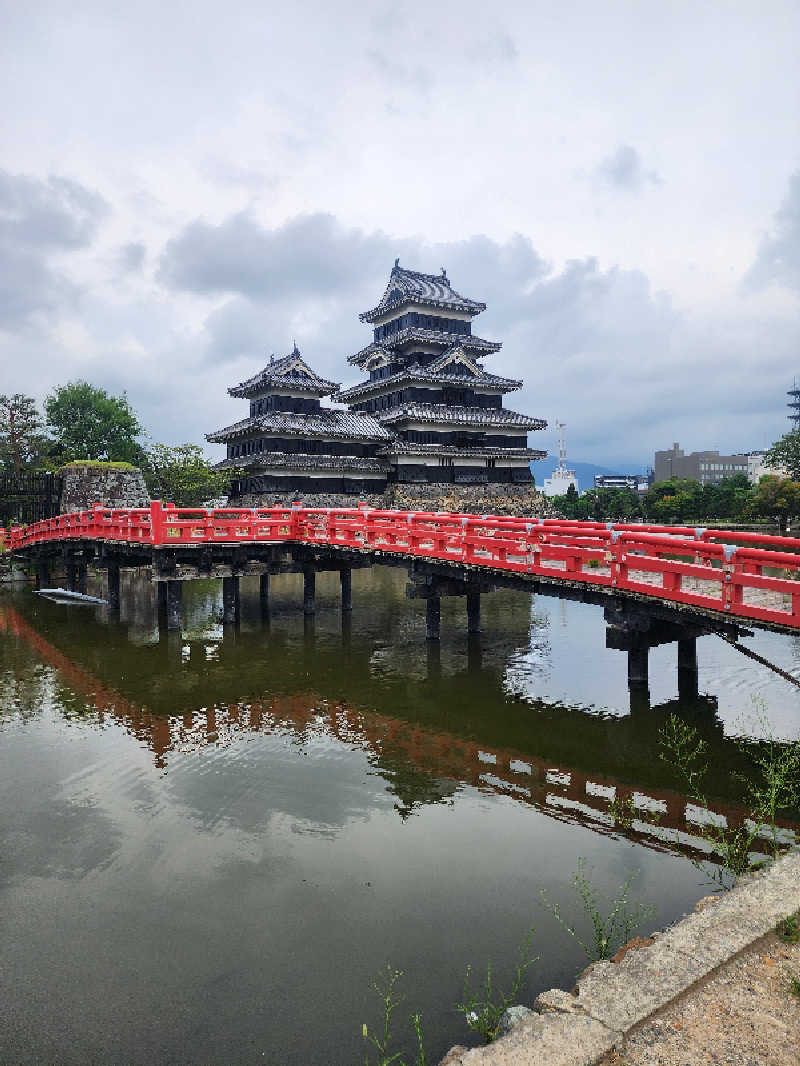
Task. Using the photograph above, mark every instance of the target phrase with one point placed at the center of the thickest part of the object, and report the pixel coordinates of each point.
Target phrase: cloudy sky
(187, 187)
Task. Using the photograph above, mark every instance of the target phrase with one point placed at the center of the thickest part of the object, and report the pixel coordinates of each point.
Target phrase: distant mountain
(584, 472)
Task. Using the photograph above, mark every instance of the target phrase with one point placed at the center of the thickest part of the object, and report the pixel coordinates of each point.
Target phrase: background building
(709, 468)
(559, 482)
(758, 468)
(636, 482)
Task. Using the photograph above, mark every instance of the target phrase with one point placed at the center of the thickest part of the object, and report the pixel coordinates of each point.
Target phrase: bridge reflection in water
(430, 735)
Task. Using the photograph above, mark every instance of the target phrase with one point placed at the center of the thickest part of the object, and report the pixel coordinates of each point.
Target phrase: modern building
(639, 483)
(559, 482)
(290, 443)
(758, 468)
(709, 468)
(428, 388)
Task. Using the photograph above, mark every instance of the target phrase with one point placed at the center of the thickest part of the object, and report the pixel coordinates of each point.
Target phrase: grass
(794, 984)
(788, 929)
(98, 464)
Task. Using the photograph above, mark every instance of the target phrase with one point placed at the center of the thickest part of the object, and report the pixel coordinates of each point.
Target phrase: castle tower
(427, 384)
(291, 444)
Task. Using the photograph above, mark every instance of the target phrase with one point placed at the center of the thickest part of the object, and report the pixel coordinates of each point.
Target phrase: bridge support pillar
(687, 669)
(473, 612)
(309, 590)
(113, 586)
(263, 593)
(81, 578)
(230, 600)
(42, 574)
(637, 666)
(174, 604)
(71, 575)
(433, 613)
(346, 580)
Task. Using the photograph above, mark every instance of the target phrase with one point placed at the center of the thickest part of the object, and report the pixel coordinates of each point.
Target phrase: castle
(428, 413)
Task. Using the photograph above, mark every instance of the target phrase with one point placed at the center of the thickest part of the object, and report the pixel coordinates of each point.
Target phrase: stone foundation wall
(470, 499)
(84, 486)
(307, 499)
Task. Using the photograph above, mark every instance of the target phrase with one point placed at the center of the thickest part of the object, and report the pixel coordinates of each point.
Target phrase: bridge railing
(749, 575)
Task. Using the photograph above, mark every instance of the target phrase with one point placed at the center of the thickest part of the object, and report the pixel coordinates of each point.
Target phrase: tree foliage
(684, 501)
(182, 475)
(22, 442)
(785, 455)
(778, 498)
(87, 423)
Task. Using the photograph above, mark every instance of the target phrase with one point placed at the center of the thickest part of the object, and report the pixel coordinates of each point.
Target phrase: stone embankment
(617, 1006)
(11, 573)
(470, 499)
(112, 484)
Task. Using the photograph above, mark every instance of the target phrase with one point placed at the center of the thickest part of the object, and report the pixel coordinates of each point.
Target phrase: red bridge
(732, 575)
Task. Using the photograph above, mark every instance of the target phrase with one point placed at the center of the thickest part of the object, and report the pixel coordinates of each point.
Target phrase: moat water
(213, 842)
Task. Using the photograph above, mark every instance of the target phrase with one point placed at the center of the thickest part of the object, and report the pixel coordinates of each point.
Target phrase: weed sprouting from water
(610, 929)
(384, 986)
(484, 1007)
(773, 786)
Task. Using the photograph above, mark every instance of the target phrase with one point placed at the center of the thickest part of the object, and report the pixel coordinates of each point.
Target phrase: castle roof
(435, 337)
(290, 372)
(324, 423)
(431, 290)
(454, 367)
(467, 416)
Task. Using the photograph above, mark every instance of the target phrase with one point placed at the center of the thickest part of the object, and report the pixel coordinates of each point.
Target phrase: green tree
(778, 498)
(87, 423)
(785, 455)
(22, 443)
(182, 475)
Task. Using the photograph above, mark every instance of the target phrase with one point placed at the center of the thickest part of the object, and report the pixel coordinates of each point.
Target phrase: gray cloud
(597, 347)
(132, 256)
(418, 78)
(624, 170)
(308, 255)
(39, 219)
(778, 258)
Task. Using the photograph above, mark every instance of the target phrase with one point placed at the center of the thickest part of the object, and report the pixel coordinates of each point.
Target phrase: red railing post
(158, 523)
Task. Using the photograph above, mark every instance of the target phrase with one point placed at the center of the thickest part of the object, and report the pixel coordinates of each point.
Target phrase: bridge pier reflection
(231, 608)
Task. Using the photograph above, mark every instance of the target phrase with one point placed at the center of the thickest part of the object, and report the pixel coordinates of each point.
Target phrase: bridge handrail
(716, 569)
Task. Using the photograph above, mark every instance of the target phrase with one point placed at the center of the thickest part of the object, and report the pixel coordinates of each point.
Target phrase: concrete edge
(611, 999)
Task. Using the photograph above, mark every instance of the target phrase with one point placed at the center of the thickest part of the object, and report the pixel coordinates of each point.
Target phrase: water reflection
(437, 728)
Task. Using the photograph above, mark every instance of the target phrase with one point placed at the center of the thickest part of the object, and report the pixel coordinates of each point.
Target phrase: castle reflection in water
(431, 725)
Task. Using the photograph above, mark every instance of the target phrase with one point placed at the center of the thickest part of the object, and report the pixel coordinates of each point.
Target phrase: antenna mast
(562, 448)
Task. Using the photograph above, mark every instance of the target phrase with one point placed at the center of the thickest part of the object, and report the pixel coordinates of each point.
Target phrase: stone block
(543, 1040)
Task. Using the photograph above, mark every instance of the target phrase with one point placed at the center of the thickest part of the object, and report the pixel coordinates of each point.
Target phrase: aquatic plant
(484, 1007)
(773, 785)
(610, 928)
(384, 986)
